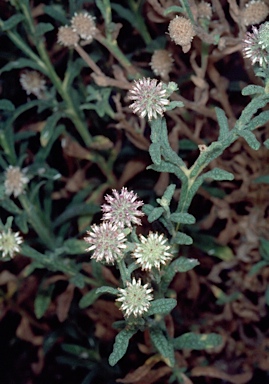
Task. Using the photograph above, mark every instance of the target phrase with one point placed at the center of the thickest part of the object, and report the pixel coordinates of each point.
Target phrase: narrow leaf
(223, 123)
(182, 218)
(182, 239)
(110, 290)
(120, 346)
(163, 345)
(252, 90)
(161, 306)
(198, 342)
(12, 22)
(155, 214)
(183, 264)
(6, 105)
(250, 139)
(155, 153)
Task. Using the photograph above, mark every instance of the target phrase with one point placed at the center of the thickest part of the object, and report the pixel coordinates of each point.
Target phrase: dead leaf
(216, 373)
(63, 303)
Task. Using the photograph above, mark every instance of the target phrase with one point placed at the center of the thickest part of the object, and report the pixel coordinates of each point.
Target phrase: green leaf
(174, 104)
(21, 63)
(262, 179)
(155, 153)
(223, 123)
(6, 105)
(42, 300)
(161, 306)
(155, 214)
(264, 248)
(110, 290)
(167, 196)
(250, 110)
(78, 280)
(258, 121)
(10, 206)
(120, 346)
(56, 12)
(182, 218)
(193, 341)
(266, 143)
(173, 8)
(21, 222)
(89, 298)
(208, 244)
(252, 90)
(76, 210)
(250, 139)
(163, 345)
(182, 239)
(48, 130)
(43, 28)
(74, 246)
(12, 22)
(218, 174)
(183, 264)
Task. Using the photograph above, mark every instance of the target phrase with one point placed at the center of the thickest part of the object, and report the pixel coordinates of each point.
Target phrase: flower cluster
(82, 27)
(149, 98)
(10, 243)
(135, 298)
(33, 83)
(122, 209)
(255, 44)
(15, 181)
(181, 32)
(153, 251)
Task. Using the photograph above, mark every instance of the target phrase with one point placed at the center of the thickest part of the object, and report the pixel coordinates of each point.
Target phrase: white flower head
(149, 98)
(253, 48)
(15, 181)
(135, 298)
(10, 243)
(33, 82)
(152, 252)
(122, 209)
(107, 241)
(84, 25)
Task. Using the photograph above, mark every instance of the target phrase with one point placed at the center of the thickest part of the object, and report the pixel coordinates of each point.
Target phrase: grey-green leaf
(6, 105)
(250, 139)
(155, 214)
(182, 218)
(161, 306)
(182, 239)
(163, 345)
(120, 346)
(183, 264)
(195, 341)
(155, 153)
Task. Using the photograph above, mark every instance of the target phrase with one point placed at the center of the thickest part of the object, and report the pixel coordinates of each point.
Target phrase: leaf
(262, 179)
(208, 244)
(218, 174)
(74, 246)
(42, 300)
(223, 123)
(266, 143)
(250, 139)
(48, 131)
(21, 222)
(250, 110)
(194, 341)
(161, 306)
(252, 90)
(155, 214)
(56, 12)
(183, 264)
(43, 28)
(174, 104)
(155, 153)
(258, 121)
(21, 63)
(163, 345)
(182, 218)
(12, 22)
(89, 298)
(120, 346)
(6, 105)
(167, 196)
(173, 8)
(110, 290)
(182, 239)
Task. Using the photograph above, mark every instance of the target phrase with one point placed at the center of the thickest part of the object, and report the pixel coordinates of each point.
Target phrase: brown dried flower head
(204, 10)
(254, 12)
(161, 62)
(33, 82)
(181, 32)
(67, 36)
(84, 25)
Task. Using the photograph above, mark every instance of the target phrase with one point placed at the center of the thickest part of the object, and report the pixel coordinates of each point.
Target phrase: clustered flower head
(122, 209)
(135, 298)
(181, 32)
(15, 181)
(10, 243)
(33, 82)
(84, 25)
(254, 12)
(149, 98)
(204, 10)
(107, 241)
(67, 36)
(253, 47)
(161, 63)
(153, 251)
